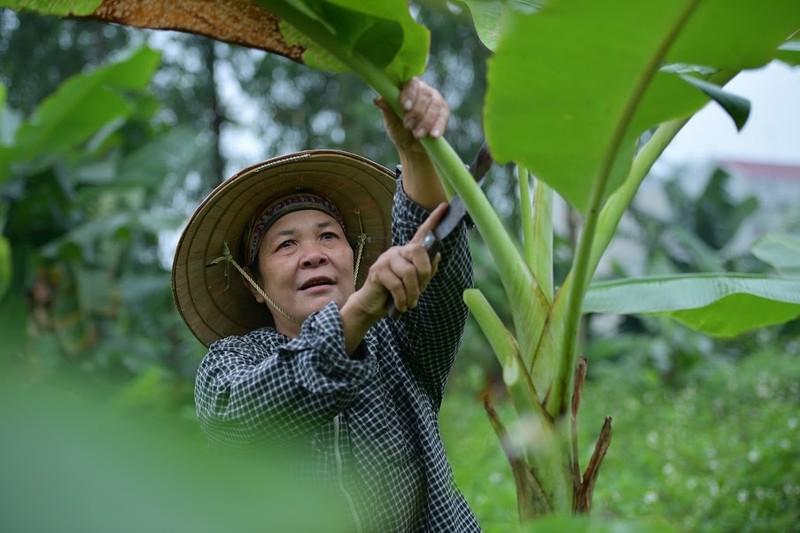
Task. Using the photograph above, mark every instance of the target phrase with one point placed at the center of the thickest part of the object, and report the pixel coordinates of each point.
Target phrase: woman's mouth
(318, 281)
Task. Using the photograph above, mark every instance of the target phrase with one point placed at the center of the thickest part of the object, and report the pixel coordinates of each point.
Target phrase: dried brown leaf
(235, 21)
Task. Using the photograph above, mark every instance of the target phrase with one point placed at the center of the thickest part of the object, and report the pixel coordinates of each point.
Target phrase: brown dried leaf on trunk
(234, 21)
(583, 503)
(580, 378)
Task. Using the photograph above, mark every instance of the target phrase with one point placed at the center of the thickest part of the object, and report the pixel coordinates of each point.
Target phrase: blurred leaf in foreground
(95, 471)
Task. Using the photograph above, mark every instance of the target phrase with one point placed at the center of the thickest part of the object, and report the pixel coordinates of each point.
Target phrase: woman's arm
(403, 271)
(261, 387)
(426, 114)
(431, 331)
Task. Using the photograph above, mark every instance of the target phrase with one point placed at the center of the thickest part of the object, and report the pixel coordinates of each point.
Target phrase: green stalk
(529, 305)
(523, 392)
(513, 272)
(580, 271)
(609, 218)
(526, 216)
(537, 229)
(446, 185)
(618, 202)
(543, 237)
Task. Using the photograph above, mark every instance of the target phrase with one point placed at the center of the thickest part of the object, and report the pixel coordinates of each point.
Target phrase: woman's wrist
(356, 321)
(421, 182)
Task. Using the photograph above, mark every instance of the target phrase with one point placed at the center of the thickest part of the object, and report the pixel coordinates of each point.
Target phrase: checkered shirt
(376, 411)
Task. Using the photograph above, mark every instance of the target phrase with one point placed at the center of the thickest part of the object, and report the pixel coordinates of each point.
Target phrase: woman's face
(305, 262)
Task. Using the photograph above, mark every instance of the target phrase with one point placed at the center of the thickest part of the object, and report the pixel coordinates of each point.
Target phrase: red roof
(759, 170)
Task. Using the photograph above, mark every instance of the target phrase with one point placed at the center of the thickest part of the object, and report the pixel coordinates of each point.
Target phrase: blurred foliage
(782, 251)
(41, 52)
(72, 461)
(699, 233)
(717, 453)
(83, 214)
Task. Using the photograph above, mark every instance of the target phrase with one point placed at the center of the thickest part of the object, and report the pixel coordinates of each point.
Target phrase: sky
(771, 135)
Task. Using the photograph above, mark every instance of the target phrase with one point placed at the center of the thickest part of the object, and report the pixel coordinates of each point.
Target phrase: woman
(309, 235)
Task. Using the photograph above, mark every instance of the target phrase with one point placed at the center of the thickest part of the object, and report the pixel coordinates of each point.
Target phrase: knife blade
(456, 211)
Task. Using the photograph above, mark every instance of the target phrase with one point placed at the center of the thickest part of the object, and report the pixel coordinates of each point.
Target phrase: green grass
(718, 454)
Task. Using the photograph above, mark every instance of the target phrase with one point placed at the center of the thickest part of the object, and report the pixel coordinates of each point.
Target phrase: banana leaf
(721, 305)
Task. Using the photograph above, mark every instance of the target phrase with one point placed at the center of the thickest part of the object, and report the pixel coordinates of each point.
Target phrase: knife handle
(432, 245)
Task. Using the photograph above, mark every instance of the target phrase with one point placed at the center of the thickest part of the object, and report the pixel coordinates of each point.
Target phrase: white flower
(650, 497)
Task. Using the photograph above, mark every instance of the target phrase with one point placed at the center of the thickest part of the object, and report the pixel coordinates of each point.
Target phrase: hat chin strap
(362, 239)
(229, 260)
(263, 294)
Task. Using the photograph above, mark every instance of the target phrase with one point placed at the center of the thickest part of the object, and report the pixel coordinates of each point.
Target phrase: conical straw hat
(212, 299)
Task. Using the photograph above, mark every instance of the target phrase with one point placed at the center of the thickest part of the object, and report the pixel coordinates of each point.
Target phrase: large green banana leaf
(722, 305)
(573, 84)
(487, 15)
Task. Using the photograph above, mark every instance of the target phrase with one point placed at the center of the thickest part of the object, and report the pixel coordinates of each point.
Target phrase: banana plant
(573, 86)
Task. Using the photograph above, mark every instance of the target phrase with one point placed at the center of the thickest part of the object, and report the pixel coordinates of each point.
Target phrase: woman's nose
(314, 258)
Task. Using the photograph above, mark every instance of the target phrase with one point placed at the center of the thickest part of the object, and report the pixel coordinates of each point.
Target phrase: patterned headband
(270, 211)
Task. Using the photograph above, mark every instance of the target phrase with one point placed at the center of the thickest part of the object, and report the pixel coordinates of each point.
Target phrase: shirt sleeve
(253, 388)
(432, 332)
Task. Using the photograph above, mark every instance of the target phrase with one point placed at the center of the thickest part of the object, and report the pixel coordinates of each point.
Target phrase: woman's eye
(329, 235)
(285, 244)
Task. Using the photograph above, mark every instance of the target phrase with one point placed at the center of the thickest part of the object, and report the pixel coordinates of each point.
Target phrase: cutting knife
(456, 211)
